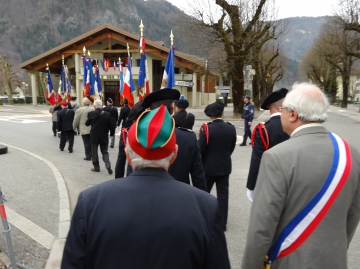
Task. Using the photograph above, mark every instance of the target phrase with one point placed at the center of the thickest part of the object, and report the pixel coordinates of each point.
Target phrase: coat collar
(310, 129)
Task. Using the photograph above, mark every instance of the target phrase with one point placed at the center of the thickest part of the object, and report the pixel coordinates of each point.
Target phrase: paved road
(38, 179)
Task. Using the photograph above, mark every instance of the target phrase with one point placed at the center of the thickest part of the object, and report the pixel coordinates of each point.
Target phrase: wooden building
(110, 42)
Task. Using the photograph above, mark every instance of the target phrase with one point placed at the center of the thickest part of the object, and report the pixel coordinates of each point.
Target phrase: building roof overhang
(54, 56)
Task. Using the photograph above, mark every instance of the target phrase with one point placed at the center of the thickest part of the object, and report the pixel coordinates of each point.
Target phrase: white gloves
(250, 194)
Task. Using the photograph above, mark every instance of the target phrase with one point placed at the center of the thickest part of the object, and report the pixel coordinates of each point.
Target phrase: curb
(56, 247)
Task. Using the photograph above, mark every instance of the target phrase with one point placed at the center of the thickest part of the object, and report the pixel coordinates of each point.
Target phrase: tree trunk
(345, 84)
(238, 89)
(256, 95)
(7, 82)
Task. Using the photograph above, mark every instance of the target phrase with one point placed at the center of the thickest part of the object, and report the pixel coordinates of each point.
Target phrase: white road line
(32, 230)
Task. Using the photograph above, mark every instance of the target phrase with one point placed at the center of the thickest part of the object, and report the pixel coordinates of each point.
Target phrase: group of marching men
(306, 203)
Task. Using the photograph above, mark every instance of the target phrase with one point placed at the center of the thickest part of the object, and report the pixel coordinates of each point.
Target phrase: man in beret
(113, 116)
(158, 222)
(182, 118)
(273, 131)
(217, 142)
(134, 113)
(189, 157)
(247, 116)
(65, 118)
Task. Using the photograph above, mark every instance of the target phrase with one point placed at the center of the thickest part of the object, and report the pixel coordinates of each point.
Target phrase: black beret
(109, 100)
(73, 98)
(247, 96)
(135, 112)
(182, 103)
(214, 109)
(274, 97)
(162, 94)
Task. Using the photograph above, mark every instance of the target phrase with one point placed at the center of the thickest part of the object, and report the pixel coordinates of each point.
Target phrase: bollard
(6, 232)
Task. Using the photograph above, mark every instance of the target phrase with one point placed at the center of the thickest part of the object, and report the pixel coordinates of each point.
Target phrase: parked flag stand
(6, 231)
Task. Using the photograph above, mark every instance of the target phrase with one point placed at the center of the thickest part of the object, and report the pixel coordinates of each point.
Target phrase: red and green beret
(152, 136)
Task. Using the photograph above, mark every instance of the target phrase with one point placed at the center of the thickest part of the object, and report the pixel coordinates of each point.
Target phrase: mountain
(40, 25)
(300, 34)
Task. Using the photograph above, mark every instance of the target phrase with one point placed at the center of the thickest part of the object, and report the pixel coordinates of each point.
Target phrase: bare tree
(233, 27)
(336, 45)
(315, 66)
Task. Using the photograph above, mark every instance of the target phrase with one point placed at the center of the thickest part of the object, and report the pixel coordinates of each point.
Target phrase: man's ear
(175, 154)
(128, 158)
(294, 116)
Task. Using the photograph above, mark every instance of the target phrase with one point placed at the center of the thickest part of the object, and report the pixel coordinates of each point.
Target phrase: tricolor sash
(301, 227)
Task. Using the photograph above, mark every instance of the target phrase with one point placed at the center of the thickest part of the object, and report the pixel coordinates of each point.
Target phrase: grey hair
(97, 104)
(309, 101)
(139, 162)
(168, 103)
(86, 101)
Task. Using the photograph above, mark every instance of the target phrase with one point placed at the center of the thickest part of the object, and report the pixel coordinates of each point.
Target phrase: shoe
(109, 170)
(54, 134)
(242, 145)
(112, 146)
(70, 151)
(95, 169)
(87, 159)
(62, 149)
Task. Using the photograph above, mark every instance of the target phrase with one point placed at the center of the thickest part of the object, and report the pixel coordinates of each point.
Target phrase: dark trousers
(70, 136)
(87, 145)
(95, 157)
(112, 140)
(247, 133)
(222, 193)
(54, 127)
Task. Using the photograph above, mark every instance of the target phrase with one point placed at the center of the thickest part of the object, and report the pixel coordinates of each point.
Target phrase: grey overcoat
(290, 175)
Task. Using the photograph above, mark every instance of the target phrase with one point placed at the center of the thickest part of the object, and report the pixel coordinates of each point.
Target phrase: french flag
(143, 82)
(50, 97)
(129, 85)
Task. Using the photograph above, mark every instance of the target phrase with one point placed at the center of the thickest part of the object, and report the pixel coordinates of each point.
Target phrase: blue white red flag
(307, 220)
(168, 80)
(129, 85)
(50, 96)
(97, 83)
(143, 81)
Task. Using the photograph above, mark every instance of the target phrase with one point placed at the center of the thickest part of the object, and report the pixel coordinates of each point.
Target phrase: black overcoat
(276, 136)
(188, 161)
(101, 124)
(216, 155)
(146, 220)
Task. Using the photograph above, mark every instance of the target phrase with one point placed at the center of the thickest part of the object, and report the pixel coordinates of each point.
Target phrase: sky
(292, 8)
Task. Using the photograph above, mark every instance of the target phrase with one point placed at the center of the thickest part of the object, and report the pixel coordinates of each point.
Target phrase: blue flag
(169, 71)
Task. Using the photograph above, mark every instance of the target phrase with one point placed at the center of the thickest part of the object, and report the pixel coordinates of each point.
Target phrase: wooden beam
(107, 51)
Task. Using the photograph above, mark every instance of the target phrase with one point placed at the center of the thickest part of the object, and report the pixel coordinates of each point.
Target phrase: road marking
(32, 230)
(23, 118)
